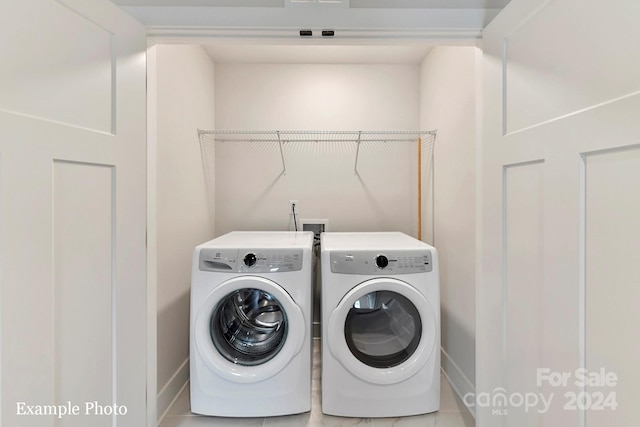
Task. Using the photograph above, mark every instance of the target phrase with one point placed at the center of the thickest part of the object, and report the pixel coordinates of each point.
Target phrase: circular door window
(383, 329)
(249, 326)
(248, 329)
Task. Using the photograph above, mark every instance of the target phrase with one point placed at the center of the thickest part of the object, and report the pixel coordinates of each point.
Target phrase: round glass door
(382, 329)
(249, 327)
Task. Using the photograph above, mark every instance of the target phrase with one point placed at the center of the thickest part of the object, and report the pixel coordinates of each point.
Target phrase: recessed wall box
(316, 225)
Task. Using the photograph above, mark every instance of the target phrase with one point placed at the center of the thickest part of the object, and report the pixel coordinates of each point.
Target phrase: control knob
(382, 261)
(250, 259)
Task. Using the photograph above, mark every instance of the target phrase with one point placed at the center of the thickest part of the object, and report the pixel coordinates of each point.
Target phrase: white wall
(182, 82)
(251, 193)
(448, 103)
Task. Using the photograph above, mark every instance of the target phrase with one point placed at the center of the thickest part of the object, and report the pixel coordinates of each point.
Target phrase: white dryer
(381, 325)
(251, 324)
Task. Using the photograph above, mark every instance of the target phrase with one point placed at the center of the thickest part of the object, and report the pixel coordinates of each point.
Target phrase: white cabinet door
(72, 214)
(561, 214)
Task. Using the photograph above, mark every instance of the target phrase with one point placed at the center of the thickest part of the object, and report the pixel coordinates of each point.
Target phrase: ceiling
(266, 31)
(233, 52)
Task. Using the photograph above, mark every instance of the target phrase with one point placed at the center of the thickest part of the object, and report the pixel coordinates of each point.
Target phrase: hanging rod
(286, 136)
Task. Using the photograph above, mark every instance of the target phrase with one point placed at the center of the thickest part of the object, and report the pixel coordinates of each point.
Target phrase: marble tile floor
(452, 412)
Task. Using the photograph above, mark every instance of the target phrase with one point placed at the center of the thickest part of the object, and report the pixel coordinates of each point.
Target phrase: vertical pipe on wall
(419, 188)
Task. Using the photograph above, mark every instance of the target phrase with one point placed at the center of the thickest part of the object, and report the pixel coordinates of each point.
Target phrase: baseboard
(172, 389)
(458, 380)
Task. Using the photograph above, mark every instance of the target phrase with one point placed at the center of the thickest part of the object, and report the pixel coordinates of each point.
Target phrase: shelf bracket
(284, 167)
(355, 166)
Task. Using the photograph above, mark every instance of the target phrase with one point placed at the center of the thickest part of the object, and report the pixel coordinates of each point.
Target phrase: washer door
(248, 329)
(383, 331)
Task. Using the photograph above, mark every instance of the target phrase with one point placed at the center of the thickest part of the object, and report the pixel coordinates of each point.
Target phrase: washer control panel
(377, 262)
(250, 260)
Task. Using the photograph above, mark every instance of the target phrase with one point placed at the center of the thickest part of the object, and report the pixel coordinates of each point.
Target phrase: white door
(72, 214)
(248, 329)
(561, 215)
(383, 331)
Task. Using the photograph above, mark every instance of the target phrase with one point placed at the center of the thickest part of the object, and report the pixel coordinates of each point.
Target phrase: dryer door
(383, 331)
(248, 329)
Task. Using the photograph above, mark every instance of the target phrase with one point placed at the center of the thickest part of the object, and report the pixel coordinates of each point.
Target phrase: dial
(250, 259)
(382, 261)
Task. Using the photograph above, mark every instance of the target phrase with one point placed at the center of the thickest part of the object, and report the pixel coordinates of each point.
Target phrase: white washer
(381, 325)
(251, 324)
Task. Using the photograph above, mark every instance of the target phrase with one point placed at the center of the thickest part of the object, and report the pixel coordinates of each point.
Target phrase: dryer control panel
(250, 260)
(377, 262)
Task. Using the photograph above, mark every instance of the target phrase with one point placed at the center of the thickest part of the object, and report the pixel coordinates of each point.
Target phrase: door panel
(72, 82)
(612, 275)
(561, 103)
(538, 69)
(523, 198)
(83, 266)
(72, 212)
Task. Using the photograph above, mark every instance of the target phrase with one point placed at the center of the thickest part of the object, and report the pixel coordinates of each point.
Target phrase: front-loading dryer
(381, 325)
(251, 324)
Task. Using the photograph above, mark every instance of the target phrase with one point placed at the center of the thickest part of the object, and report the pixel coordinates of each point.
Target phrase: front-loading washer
(381, 325)
(250, 324)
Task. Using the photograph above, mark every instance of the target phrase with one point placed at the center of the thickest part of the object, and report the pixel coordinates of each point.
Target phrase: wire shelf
(312, 136)
(287, 136)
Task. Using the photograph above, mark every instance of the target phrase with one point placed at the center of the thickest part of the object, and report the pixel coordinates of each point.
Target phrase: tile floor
(452, 412)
